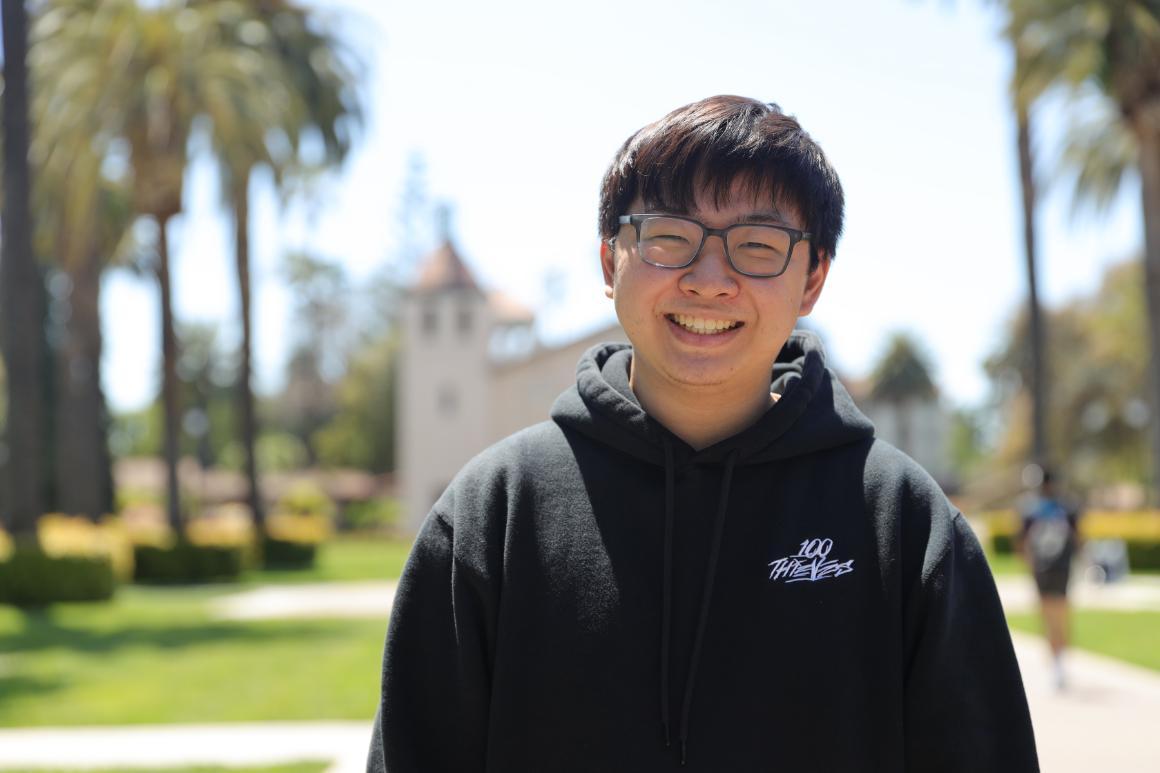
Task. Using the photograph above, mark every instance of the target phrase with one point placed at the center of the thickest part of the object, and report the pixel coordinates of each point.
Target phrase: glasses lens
(759, 249)
(668, 241)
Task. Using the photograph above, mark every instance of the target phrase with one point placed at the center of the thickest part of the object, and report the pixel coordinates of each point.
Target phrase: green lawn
(1005, 564)
(296, 767)
(346, 558)
(154, 655)
(1130, 636)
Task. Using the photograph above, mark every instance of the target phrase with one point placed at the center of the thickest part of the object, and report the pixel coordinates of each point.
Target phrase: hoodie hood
(814, 412)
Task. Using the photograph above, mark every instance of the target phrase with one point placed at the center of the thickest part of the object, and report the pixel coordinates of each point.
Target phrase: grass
(1006, 564)
(1129, 636)
(294, 767)
(346, 558)
(156, 655)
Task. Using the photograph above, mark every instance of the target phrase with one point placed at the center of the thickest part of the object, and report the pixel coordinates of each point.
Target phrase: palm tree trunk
(169, 385)
(1149, 143)
(1038, 354)
(23, 298)
(245, 391)
(83, 464)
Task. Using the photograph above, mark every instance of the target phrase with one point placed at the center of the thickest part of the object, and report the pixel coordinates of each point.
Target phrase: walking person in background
(1049, 540)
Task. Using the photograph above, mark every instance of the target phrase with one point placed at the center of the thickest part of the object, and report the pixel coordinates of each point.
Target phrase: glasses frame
(795, 236)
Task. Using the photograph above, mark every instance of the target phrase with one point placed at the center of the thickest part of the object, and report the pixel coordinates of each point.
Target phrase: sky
(516, 108)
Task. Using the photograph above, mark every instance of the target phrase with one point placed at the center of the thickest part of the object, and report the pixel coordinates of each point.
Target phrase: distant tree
(321, 342)
(1098, 409)
(208, 423)
(1037, 378)
(173, 62)
(311, 102)
(902, 379)
(362, 432)
(1110, 48)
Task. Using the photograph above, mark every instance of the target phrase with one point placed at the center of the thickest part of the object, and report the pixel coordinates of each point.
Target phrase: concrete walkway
(1107, 719)
(152, 747)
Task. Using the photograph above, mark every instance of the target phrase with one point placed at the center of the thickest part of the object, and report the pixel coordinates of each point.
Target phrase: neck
(701, 415)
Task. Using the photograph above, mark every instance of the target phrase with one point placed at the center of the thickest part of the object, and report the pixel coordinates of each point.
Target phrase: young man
(1048, 541)
(704, 559)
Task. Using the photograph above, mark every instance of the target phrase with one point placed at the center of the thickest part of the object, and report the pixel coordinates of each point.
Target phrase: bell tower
(444, 387)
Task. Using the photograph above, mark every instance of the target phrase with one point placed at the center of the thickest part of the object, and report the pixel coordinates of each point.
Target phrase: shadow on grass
(16, 686)
(41, 631)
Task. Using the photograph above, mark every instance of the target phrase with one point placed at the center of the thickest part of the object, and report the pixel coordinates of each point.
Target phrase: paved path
(346, 599)
(1135, 593)
(150, 747)
(1107, 719)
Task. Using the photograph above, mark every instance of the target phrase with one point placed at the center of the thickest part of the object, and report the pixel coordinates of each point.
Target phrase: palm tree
(1038, 351)
(1111, 47)
(313, 95)
(23, 300)
(171, 61)
(901, 379)
(84, 227)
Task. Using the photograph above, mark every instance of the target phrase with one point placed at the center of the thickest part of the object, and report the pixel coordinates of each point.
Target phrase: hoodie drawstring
(706, 595)
(667, 584)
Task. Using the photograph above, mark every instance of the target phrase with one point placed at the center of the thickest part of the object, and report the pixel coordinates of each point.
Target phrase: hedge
(184, 562)
(30, 577)
(292, 539)
(288, 554)
(1140, 532)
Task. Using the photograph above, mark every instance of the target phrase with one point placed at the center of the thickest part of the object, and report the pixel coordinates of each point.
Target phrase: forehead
(740, 199)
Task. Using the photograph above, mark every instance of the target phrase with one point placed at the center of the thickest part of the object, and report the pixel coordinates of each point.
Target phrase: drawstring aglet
(684, 750)
(668, 740)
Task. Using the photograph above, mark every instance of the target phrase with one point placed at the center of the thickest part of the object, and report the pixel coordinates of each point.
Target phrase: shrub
(299, 523)
(216, 545)
(228, 524)
(372, 515)
(65, 535)
(184, 561)
(1143, 554)
(305, 497)
(292, 540)
(30, 577)
(288, 554)
(1002, 527)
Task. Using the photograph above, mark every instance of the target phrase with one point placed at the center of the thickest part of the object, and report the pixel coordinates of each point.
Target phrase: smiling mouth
(703, 325)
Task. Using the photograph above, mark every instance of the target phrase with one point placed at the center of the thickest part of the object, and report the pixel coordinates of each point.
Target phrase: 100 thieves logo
(810, 564)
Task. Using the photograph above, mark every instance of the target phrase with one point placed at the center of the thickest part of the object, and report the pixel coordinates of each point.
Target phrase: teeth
(701, 325)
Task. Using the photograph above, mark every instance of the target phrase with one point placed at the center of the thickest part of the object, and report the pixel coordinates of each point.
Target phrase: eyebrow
(772, 216)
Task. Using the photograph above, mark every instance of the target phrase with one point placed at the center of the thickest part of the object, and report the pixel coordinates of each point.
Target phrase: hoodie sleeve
(433, 710)
(965, 705)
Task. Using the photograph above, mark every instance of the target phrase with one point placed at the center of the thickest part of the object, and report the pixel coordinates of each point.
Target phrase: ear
(815, 280)
(608, 266)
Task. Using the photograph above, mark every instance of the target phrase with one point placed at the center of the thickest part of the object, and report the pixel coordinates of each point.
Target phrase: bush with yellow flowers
(73, 559)
(301, 521)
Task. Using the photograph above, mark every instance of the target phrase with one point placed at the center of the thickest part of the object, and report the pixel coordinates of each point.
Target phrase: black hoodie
(592, 594)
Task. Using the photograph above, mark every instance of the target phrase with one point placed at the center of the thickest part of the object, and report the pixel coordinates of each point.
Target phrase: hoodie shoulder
(484, 488)
(911, 507)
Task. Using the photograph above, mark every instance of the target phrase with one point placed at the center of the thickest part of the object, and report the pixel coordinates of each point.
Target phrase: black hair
(714, 144)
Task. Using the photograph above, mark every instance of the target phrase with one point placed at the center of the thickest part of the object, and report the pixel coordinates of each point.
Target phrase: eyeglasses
(753, 249)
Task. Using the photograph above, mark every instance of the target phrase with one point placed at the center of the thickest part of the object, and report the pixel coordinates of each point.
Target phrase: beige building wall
(444, 391)
(523, 391)
(923, 433)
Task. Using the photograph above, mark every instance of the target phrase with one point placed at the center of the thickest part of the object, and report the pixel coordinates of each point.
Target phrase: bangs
(713, 146)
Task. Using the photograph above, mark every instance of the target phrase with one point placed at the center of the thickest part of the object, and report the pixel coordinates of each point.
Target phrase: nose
(710, 275)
